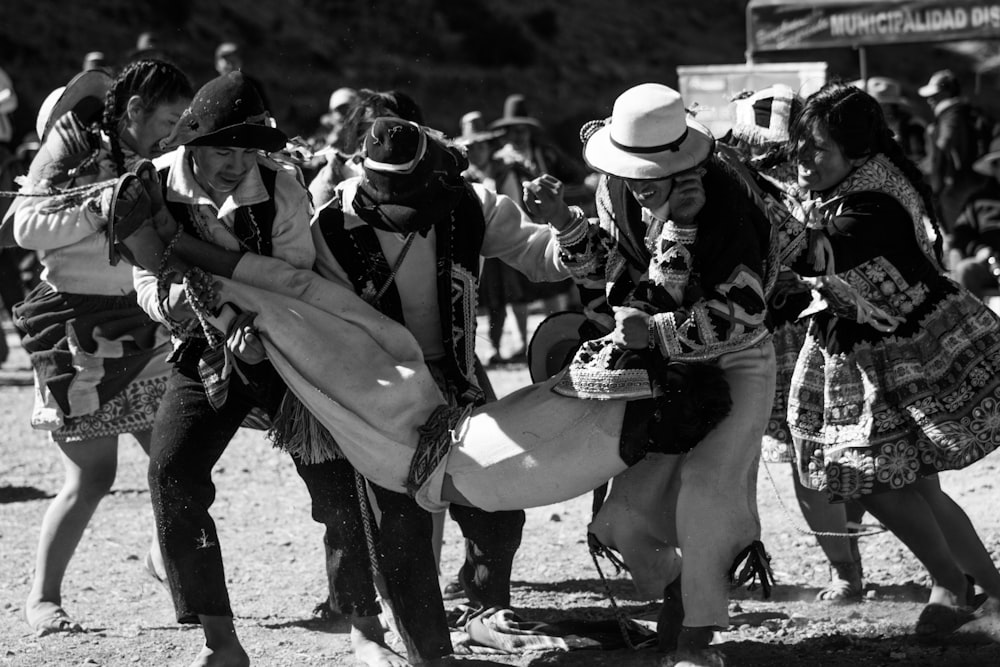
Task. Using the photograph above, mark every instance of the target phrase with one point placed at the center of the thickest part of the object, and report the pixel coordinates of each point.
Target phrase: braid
(155, 82)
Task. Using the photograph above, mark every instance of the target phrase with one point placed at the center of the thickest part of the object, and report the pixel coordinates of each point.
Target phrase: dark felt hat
(553, 344)
(226, 111)
(83, 95)
(409, 176)
(515, 112)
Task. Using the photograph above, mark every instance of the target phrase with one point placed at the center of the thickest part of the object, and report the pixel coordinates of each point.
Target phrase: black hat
(226, 111)
(410, 178)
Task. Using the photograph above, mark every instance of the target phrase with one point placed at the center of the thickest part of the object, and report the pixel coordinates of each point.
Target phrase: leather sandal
(55, 621)
(846, 583)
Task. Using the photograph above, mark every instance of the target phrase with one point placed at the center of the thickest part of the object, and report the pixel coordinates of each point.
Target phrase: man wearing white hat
(683, 253)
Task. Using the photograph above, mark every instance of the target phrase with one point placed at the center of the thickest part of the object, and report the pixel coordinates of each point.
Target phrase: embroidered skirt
(777, 444)
(880, 414)
(99, 362)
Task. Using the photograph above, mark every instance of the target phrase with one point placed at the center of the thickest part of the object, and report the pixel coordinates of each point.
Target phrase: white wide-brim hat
(650, 136)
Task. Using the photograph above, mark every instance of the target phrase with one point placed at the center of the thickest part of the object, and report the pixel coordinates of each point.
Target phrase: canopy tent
(778, 25)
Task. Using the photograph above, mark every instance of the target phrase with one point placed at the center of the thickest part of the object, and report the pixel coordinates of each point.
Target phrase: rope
(870, 529)
(620, 618)
(79, 189)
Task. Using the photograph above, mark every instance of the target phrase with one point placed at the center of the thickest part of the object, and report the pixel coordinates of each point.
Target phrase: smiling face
(145, 130)
(651, 195)
(680, 190)
(220, 169)
(821, 161)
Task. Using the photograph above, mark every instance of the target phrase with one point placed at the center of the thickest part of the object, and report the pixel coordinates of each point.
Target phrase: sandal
(56, 620)
(846, 583)
(937, 621)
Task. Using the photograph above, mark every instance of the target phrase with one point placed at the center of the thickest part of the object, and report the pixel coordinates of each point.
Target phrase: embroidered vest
(459, 242)
(253, 224)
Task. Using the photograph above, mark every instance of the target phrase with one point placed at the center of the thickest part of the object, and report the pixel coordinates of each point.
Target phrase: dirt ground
(275, 569)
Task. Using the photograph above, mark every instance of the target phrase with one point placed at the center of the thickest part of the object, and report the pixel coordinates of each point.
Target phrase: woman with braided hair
(99, 360)
(896, 380)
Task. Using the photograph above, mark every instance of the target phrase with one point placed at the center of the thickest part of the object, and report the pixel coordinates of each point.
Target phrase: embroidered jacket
(484, 224)
(703, 285)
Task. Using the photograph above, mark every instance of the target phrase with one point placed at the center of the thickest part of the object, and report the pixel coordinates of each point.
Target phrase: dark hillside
(570, 57)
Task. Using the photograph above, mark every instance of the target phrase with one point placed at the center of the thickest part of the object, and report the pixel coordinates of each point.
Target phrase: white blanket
(362, 375)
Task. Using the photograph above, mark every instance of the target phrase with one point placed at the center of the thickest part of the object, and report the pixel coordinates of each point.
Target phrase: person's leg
(491, 541)
(333, 490)
(717, 501)
(407, 564)
(189, 436)
(826, 517)
(520, 311)
(966, 546)
(90, 468)
(907, 514)
(154, 558)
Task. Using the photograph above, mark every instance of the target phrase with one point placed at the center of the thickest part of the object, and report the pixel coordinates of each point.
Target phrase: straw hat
(649, 136)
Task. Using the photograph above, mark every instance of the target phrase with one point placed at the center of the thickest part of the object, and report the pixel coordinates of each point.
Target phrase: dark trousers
(407, 556)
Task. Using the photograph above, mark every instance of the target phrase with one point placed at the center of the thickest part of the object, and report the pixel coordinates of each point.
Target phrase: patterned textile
(130, 411)
(459, 237)
(253, 231)
(85, 350)
(777, 444)
(871, 411)
(703, 286)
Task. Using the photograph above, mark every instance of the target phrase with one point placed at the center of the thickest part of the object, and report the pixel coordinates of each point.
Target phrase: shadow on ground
(21, 494)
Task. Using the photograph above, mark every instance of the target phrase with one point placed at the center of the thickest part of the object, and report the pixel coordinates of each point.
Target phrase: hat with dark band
(650, 136)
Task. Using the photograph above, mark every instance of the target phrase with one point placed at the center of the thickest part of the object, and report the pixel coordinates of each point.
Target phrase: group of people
(175, 234)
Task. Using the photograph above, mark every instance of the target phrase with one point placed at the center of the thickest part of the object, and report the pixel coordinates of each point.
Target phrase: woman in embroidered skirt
(99, 361)
(761, 123)
(896, 380)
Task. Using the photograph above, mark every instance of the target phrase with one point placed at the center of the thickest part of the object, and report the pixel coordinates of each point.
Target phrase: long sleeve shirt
(291, 239)
(509, 236)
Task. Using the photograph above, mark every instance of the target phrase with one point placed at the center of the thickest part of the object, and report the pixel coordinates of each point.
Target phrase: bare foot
(222, 657)
(47, 618)
(369, 645)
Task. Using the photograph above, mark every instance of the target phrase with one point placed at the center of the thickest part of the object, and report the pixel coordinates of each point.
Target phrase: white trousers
(701, 505)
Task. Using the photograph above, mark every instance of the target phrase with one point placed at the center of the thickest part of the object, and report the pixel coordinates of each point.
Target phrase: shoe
(671, 617)
(494, 361)
(519, 357)
(453, 590)
(846, 583)
(937, 620)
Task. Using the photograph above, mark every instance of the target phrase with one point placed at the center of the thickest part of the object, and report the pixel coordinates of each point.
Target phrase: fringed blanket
(363, 376)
